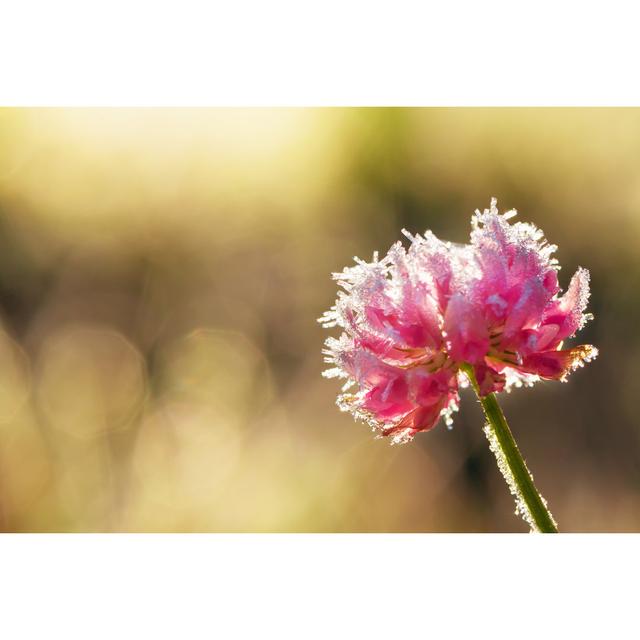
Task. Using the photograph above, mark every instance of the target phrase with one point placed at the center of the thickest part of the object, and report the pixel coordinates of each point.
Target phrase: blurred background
(161, 271)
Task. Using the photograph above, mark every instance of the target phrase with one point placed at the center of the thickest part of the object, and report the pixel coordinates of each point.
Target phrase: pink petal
(489, 379)
(528, 307)
(556, 365)
(567, 313)
(420, 419)
(466, 330)
(389, 399)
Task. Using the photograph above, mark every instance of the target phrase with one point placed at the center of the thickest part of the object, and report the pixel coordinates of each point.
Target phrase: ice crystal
(522, 509)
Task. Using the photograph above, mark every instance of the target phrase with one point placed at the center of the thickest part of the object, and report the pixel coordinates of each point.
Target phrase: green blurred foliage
(161, 271)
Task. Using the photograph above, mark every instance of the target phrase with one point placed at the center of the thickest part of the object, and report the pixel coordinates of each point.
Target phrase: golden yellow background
(161, 271)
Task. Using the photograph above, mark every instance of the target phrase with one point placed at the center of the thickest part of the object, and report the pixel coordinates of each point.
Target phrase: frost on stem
(522, 509)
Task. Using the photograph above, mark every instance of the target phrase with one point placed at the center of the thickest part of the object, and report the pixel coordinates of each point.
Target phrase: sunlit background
(160, 276)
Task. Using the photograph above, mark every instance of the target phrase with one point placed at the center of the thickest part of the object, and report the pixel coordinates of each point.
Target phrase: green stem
(512, 465)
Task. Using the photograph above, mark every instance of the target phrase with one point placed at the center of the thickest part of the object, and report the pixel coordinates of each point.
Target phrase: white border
(495, 52)
(318, 586)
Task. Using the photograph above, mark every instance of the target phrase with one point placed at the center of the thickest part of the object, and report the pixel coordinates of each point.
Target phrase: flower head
(411, 319)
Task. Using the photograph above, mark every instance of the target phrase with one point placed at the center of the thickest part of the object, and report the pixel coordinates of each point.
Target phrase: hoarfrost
(522, 509)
